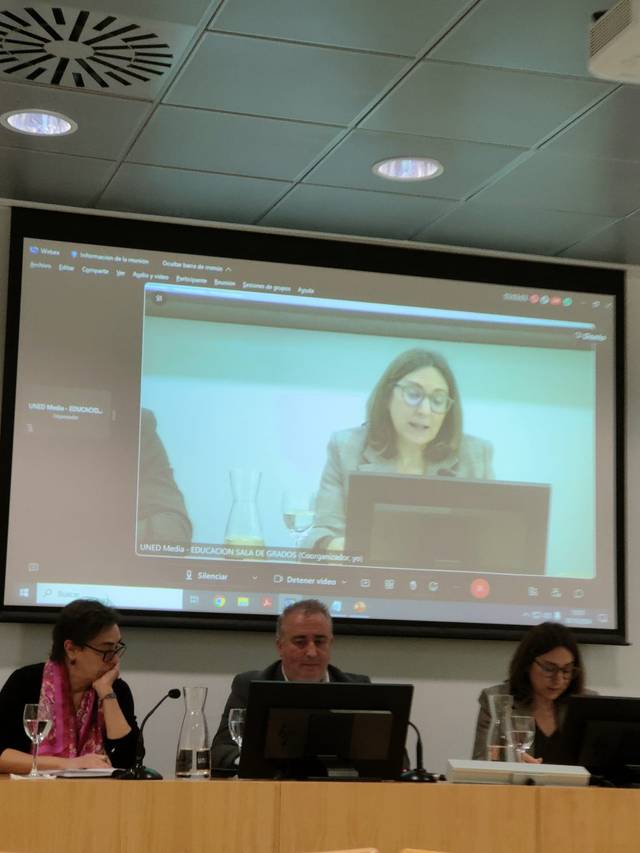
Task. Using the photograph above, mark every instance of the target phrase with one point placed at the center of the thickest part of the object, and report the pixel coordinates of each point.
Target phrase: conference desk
(101, 816)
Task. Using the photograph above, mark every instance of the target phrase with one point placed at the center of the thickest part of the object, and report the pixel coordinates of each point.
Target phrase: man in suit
(304, 639)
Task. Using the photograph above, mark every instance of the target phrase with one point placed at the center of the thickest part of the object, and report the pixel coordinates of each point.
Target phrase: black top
(551, 749)
(23, 686)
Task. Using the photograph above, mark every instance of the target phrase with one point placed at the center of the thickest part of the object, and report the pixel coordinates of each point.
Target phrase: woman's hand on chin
(104, 684)
(88, 762)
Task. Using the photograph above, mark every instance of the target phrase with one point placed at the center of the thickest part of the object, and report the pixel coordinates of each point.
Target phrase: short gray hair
(308, 607)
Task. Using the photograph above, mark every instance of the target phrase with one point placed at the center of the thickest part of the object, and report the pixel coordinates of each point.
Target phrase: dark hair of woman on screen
(413, 426)
(545, 670)
(94, 725)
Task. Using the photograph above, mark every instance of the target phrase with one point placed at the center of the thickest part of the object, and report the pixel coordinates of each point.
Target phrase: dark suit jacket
(162, 514)
(224, 752)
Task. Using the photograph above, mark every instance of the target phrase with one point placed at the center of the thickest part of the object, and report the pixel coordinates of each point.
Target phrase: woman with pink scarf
(94, 725)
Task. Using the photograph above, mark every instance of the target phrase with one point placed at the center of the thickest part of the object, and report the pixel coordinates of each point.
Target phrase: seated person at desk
(92, 708)
(162, 514)
(413, 426)
(304, 637)
(545, 670)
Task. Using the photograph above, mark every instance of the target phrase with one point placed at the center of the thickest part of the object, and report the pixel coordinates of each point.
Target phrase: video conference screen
(212, 424)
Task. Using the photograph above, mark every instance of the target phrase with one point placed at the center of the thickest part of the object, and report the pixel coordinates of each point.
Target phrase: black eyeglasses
(550, 670)
(110, 654)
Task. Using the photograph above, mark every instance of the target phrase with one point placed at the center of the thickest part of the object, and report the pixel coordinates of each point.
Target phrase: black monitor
(443, 523)
(603, 735)
(296, 730)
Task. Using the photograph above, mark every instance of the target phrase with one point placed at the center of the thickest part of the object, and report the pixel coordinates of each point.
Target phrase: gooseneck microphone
(418, 774)
(139, 771)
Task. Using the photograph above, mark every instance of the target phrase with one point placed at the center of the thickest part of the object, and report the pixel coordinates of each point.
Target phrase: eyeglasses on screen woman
(413, 395)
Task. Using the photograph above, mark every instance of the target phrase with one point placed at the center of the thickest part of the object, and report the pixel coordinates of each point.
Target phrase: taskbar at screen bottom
(201, 601)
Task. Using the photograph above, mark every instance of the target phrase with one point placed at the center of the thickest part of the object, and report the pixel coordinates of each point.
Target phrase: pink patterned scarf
(74, 732)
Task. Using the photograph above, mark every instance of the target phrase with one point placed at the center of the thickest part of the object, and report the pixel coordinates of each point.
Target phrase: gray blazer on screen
(348, 453)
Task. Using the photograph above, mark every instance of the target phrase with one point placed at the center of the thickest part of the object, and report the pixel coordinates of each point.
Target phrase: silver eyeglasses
(413, 395)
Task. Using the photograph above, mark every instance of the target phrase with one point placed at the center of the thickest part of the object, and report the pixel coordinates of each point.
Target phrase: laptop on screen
(440, 523)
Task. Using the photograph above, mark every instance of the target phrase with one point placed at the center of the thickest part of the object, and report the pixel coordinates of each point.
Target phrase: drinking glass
(37, 720)
(298, 513)
(523, 733)
(236, 725)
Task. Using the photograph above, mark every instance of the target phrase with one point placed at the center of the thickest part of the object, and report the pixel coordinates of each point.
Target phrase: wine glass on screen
(236, 725)
(298, 512)
(523, 732)
(37, 720)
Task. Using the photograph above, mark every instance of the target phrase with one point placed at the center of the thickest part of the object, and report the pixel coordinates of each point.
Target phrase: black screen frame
(367, 490)
(619, 711)
(267, 695)
(254, 244)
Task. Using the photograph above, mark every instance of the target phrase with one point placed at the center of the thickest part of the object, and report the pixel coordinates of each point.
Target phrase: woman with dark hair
(545, 670)
(94, 725)
(413, 426)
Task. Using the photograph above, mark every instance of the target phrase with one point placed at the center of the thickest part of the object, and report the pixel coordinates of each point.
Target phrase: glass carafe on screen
(244, 529)
(500, 734)
(193, 759)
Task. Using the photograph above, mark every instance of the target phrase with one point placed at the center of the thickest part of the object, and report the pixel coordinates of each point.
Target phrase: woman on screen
(413, 426)
(545, 670)
(91, 708)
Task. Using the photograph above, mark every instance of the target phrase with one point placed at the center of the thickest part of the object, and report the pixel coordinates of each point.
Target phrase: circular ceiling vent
(75, 48)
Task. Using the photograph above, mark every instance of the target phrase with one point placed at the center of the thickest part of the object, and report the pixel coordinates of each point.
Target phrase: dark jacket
(23, 686)
(224, 752)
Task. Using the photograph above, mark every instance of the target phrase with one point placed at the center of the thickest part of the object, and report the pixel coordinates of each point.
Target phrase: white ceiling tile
(545, 35)
(620, 243)
(483, 104)
(510, 228)
(403, 27)
(556, 182)
(221, 142)
(51, 178)
(282, 80)
(355, 212)
(196, 195)
(610, 130)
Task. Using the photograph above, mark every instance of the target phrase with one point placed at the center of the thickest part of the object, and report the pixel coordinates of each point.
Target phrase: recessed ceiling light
(38, 122)
(408, 168)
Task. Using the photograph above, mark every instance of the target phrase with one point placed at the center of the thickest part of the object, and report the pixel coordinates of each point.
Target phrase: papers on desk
(19, 776)
(85, 773)
(70, 773)
(515, 773)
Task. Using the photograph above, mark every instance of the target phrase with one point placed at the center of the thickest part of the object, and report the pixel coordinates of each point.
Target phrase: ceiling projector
(614, 50)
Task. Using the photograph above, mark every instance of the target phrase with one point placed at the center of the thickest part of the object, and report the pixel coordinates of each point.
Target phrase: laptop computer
(447, 523)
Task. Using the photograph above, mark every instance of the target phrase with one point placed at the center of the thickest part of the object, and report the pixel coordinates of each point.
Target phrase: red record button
(480, 588)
